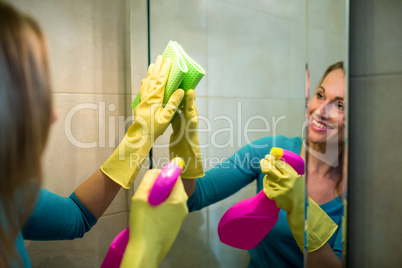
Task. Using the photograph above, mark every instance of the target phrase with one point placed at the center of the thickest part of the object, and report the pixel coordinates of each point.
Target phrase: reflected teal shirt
(278, 248)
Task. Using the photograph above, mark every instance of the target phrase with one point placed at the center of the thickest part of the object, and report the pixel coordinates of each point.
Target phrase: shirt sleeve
(226, 178)
(58, 218)
(338, 243)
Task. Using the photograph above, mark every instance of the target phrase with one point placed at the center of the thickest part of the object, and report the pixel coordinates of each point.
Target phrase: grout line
(261, 12)
(247, 98)
(90, 93)
(375, 75)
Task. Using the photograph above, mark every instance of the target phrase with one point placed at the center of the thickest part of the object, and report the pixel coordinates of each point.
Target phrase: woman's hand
(283, 185)
(153, 229)
(184, 140)
(150, 121)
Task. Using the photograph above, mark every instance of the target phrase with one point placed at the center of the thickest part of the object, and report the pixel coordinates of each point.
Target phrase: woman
(284, 244)
(26, 210)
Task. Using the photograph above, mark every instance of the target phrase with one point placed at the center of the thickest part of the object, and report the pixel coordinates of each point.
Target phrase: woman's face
(326, 110)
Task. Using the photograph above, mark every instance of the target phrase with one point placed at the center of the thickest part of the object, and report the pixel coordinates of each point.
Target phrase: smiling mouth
(320, 126)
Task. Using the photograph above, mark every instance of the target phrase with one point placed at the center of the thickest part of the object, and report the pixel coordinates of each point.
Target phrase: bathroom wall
(253, 53)
(375, 212)
(90, 67)
(326, 37)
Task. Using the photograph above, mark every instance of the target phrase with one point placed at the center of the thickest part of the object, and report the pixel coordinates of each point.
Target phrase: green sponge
(185, 73)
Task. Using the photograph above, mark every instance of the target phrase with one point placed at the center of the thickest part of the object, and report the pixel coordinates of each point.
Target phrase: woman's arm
(97, 193)
(224, 179)
(189, 186)
(234, 173)
(323, 257)
(60, 218)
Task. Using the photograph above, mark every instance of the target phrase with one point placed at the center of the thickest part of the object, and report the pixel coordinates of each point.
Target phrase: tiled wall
(326, 37)
(375, 212)
(253, 54)
(89, 60)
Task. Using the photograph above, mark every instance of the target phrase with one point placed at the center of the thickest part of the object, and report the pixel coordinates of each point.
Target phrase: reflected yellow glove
(150, 121)
(153, 229)
(287, 188)
(184, 141)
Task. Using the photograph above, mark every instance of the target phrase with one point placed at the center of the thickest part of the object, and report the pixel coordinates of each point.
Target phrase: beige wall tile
(292, 10)
(254, 55)
(191, 247)
(139, 43)
(81, 140)
(182, 21)
(227, 256)
(240, 122)
(328, 15)
(86, 41)
(161, 149)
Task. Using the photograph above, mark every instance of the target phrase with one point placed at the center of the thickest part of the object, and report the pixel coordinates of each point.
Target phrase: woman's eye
(340, 106)
(319, 95)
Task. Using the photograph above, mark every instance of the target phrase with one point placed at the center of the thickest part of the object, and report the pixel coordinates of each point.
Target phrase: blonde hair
(25, 116)
(333, 67)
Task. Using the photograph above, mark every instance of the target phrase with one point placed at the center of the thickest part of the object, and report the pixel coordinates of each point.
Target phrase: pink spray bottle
(161, 189)
(247, 222)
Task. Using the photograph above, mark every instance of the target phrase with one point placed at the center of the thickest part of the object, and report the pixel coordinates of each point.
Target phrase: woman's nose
(327, 110)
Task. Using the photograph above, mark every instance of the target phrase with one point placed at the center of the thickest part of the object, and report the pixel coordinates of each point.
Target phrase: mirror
(255, 56)
(326, 116)
(253, 53)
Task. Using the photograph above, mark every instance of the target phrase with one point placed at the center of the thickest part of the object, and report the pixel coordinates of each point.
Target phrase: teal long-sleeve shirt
(54, 218)
(278, 248)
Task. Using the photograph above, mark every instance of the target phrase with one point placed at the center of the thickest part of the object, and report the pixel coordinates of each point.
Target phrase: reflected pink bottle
(247, 222)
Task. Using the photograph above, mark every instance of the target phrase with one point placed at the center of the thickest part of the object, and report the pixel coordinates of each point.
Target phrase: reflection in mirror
(250, 100)
(325, 144)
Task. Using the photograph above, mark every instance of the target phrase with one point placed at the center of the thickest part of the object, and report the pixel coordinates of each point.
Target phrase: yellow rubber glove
(150, 121)
(184, 141)
(287, 188)
(153, 229)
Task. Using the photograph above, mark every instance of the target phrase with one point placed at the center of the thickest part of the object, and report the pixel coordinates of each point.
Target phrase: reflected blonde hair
(333, 67)
(340, 183)
(25, 116)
